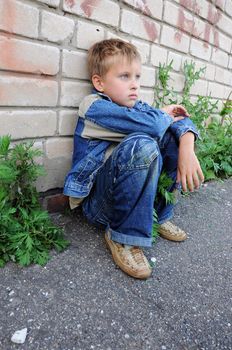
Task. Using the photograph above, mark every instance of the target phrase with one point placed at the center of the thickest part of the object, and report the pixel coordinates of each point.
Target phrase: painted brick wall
(43, 46)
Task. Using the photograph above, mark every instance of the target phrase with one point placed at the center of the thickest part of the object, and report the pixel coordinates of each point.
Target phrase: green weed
(214, 146)
(26, 231)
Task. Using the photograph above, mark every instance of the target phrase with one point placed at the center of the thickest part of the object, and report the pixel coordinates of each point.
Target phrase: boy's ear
(98, 83)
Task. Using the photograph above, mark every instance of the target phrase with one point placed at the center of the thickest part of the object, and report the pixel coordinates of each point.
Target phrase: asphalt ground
(81, 300)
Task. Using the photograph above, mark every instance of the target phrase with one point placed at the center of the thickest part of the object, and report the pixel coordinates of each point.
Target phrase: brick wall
(43, 47)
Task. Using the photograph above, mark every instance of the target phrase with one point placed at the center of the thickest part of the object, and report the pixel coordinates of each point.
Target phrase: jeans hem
(130, 240)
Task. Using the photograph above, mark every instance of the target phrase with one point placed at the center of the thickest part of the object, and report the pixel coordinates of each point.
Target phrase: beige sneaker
(130, 259)
(171, 232)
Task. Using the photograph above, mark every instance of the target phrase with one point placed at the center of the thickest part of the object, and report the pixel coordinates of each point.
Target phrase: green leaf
(24, 258)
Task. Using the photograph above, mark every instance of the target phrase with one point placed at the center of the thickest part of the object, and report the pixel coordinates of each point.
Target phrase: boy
(120, 147)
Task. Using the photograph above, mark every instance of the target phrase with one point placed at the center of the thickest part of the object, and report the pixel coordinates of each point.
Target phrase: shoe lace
(137, 255)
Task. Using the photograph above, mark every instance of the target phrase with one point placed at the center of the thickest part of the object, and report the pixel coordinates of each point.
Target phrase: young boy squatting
(121, 145)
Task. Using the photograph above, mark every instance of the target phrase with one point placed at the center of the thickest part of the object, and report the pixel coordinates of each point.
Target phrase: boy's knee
(137, 151)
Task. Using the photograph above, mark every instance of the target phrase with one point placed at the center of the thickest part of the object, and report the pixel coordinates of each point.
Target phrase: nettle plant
(214, 146)
(26, 231)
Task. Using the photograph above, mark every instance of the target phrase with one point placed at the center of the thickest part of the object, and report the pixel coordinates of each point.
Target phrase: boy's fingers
(184, 184)
(180, 109)
(190, 183)
(196, 181)
(201, 175)
(176, 119)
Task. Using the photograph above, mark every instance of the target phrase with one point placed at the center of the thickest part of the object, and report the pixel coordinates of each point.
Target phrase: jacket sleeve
(141, 118)
(183, 126)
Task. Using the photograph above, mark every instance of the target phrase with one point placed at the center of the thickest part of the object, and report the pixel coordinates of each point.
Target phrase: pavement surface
(80, 300)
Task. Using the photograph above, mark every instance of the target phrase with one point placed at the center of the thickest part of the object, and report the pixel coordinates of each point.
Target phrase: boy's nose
(134, 84)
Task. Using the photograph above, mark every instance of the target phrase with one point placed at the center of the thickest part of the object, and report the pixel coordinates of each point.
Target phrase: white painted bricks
(22, 124)
(139, 26)
(24, 91)
(64, 27)
(74, 64)
(19, 18)
(104, 11)
(95, 33)
(30, 57)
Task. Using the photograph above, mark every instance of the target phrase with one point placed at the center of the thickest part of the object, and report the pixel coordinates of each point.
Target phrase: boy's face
(121, 83)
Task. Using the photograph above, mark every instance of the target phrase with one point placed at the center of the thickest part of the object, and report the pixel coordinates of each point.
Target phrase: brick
(216, 90)
(177, 59)
(57, 203)
(220, 4)
(139, 26)
(152, 8)
(228, 7)
(223, 76)
(230, 63)
(30, 124)
(19, 18)
(158, 55)
(147, 96)
(176, 16)
(24, 91)
(52, 3)
(30, 57)
(195, 6)
(199, 88)
(75, 65)
(227, 92)
(57, 162)
(72, 93)
(148, 76)
(198, 49)
(122, 36)
(67, 122)
(210, 72)
(224, 42)
(220, 57)
(144, 50)
(64, 27)
(225, 24)
(199, 28)
(104, 11)
(58, 147)
(95, 33)
(176, 82)
(174, 39)
(203, 7)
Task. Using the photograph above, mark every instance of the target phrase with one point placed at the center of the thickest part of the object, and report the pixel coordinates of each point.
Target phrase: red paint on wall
(150, 29)
(148, 25)
(70, 3)
(8, 17)
(191, 5)
(184, 24)
(88, 6)
(213, 17)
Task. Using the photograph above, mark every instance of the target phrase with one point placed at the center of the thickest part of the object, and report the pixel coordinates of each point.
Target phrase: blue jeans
(123, 196)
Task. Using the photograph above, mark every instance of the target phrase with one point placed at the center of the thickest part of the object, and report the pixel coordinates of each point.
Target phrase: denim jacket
(101, 125)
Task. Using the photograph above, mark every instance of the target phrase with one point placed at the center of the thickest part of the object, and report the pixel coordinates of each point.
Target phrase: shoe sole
(119, 263)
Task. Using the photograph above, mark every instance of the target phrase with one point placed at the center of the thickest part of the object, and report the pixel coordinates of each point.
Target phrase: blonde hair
(104, 53)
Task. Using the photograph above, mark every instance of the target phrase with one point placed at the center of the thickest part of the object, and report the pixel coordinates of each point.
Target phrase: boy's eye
(124, 76)
(138, 76)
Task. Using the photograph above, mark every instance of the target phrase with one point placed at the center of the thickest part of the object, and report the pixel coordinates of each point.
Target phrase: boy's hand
(177, 112)
(189, 171)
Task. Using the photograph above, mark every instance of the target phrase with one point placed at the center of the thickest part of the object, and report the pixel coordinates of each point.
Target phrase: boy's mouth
(133, 96)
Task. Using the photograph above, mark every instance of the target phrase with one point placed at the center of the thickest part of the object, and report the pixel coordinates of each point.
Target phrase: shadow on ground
(80, 300)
